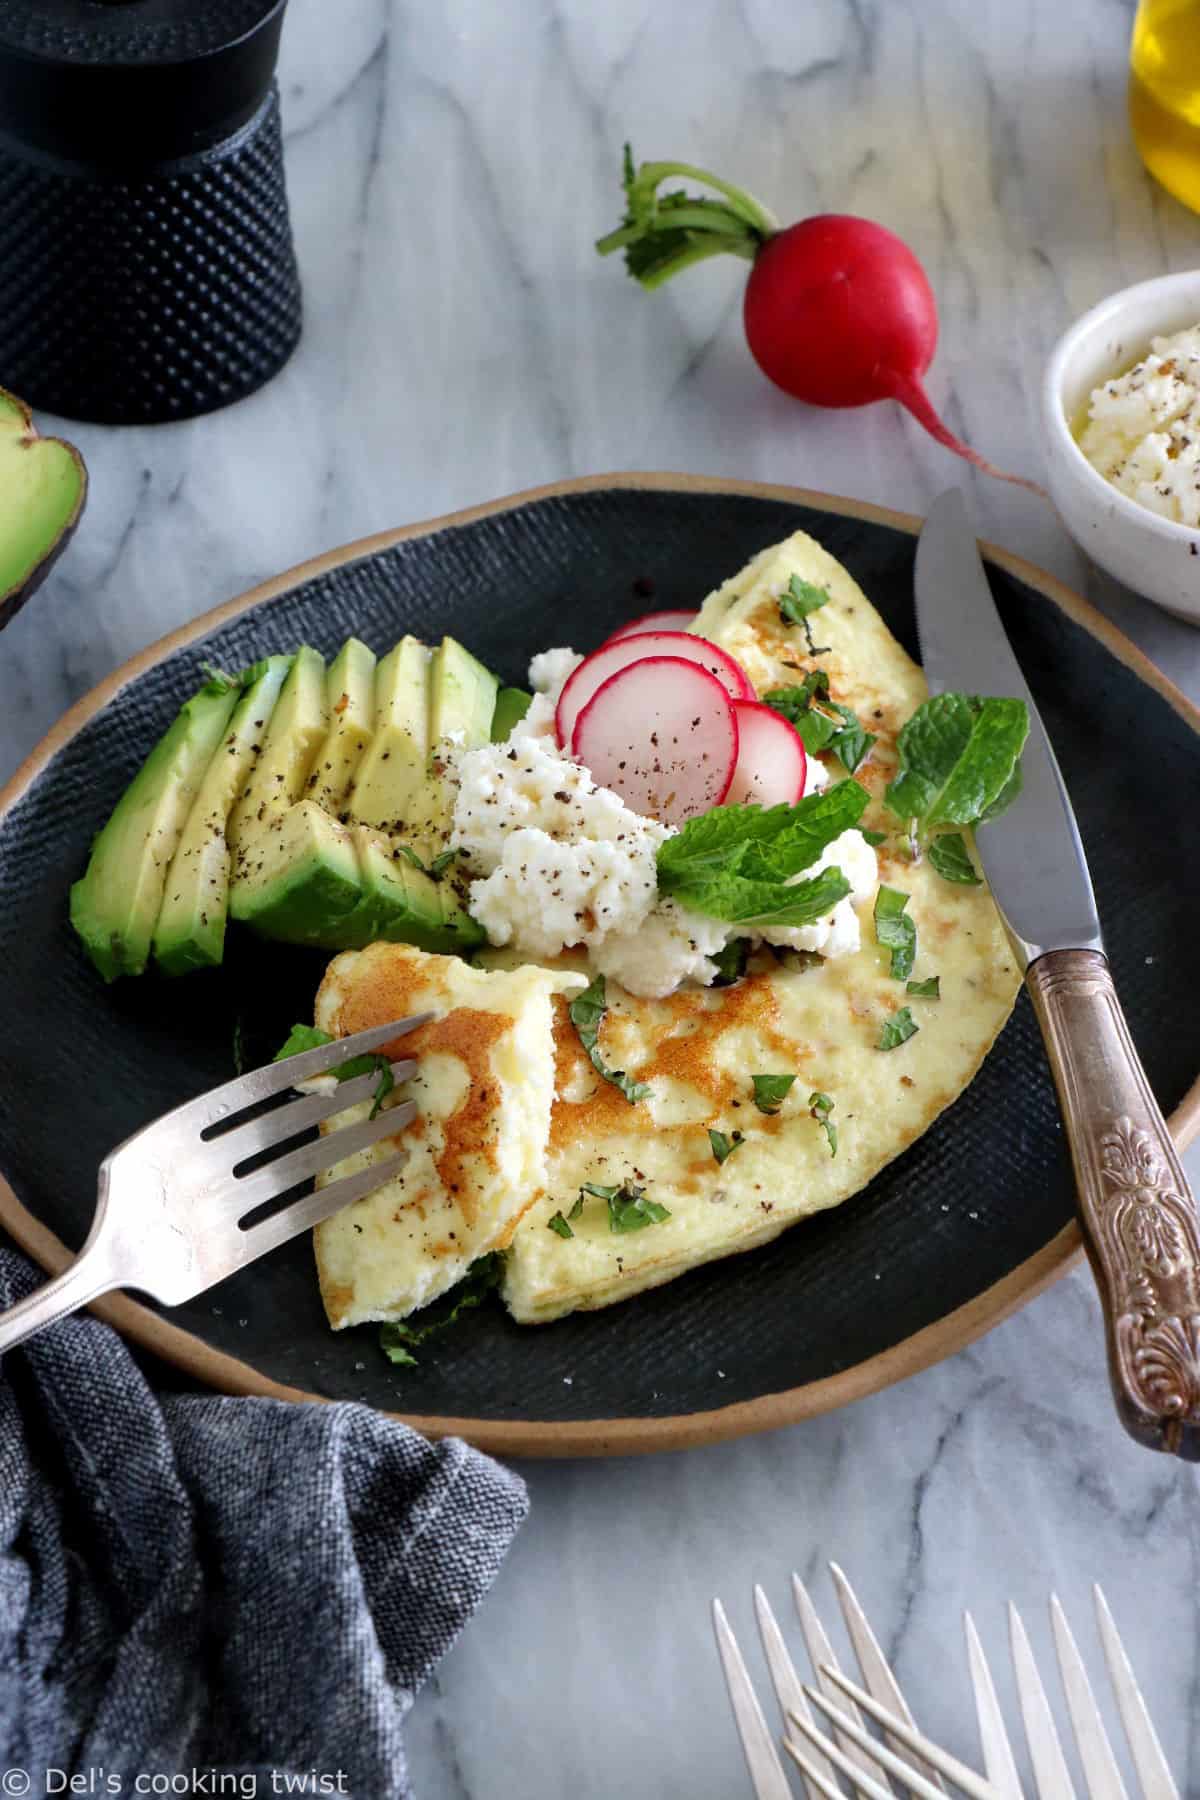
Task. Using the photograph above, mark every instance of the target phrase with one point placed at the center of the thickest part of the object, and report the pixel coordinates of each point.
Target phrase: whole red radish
(837, 310)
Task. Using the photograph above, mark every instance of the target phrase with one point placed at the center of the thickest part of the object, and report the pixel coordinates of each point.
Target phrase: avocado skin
(511, 706)
(115, 904)
(190, 930)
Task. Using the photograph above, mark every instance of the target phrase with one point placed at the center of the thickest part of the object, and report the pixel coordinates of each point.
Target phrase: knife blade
(1136, 1211)
(1032, 854)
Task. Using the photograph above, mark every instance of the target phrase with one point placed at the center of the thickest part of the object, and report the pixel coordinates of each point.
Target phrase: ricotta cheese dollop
(557, 861)
(1143, 429)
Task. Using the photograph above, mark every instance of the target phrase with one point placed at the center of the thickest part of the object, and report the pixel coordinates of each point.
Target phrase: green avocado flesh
(42, 490)
(190, 933)
(511, 706)
(115, 905)
(264, 804)
(310, 880)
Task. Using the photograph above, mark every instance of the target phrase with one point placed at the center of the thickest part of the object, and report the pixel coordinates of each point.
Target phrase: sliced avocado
(115, 904)
(350, 693)
(43, 486)
(298, 727)
(461, 704)
(190, 933)
(511, 706)
(409, 907)
(394, 766)
(296, 878)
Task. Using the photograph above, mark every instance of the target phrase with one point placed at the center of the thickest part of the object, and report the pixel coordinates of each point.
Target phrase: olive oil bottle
(1164, 94)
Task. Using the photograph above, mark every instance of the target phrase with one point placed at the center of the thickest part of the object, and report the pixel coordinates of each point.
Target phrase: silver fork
(180, 1204)
(840, 1744)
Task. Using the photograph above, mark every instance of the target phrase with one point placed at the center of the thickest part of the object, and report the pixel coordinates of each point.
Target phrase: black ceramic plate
(966, 1223)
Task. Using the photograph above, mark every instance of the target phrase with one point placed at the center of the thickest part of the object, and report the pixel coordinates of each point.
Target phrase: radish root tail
(914, 399)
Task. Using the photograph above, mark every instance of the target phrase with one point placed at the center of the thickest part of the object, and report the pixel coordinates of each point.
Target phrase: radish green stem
(662, 234)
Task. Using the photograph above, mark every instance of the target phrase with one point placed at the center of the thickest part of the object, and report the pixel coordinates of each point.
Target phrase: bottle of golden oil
(1164, 93)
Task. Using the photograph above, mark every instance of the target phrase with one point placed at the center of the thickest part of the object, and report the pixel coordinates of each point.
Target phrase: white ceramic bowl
(1154, 556)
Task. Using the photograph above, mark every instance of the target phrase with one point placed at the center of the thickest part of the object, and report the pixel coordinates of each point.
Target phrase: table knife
(1136, 1211)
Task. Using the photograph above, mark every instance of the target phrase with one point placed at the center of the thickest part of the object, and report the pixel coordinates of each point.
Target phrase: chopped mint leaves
(731, 962)
(898, 1029)
(820, 1106)
(723, 1147)
(587, 1012)
(577, 1208)
(875, 838)
(823, 724)
(896, 931)
(958, 760)
(311, 1037)
(949, 855)
(559, 1225)
(628, 1207)
(435, 869)
(929, 989)
(770, 1092)
(737, 862)
(798, 601)
(399, 1337)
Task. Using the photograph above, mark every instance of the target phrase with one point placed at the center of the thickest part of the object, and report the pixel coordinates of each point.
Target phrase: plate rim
(600, 1436)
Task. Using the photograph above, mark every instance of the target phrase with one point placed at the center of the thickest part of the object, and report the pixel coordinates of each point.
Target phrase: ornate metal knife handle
(1136, 1210)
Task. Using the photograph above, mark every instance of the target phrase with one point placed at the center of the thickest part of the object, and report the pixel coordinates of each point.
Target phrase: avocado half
(43, 486)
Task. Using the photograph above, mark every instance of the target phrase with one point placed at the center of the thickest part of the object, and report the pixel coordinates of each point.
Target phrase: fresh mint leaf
(311, 1037)
(577, 1208)
(816, 717)
(929, 989)
(754, 901)
(301, 1038)
(723, 1147)
(898, 1029)
(559, 1225)
(797, 602)
(820, 1106)
(792, 835)
(896, 931)
(597, 1189)
(587, 1012)
(950, 857)
(731, 962)
(399, 1337)
(629, 1210)
(410, 855)
(958, 759)
(875, 838)
(770, 1092)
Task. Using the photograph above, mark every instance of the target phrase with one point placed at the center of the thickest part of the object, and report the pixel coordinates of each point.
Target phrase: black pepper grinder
(147, 270)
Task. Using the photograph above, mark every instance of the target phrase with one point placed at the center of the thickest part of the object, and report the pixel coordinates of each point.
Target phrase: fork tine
(902, 1767)
(998, 1759)
(814, 1781)
(312, 1159)
(276, 1077)
(960, 1773)
(877, 1674)
(1148, 1759)
(1100, 1771)
(762, 1758)
(865, 1779)
(1049, 1764)
(820, 1653)
(299, 1115)
(788, 1691)
(312, 1208)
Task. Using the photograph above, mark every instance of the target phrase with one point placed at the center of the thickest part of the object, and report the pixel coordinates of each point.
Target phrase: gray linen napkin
(192, 1584)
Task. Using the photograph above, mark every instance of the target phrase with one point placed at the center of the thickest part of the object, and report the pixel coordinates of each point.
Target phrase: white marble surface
(450, 162)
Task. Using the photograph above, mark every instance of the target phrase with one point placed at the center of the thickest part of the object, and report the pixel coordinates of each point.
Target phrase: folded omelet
(821, 1021)
(484, 1087)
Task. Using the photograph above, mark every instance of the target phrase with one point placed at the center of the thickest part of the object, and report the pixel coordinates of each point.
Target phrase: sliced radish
(618, 653)
(656, 621)
(772, 764)
(661, 733)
